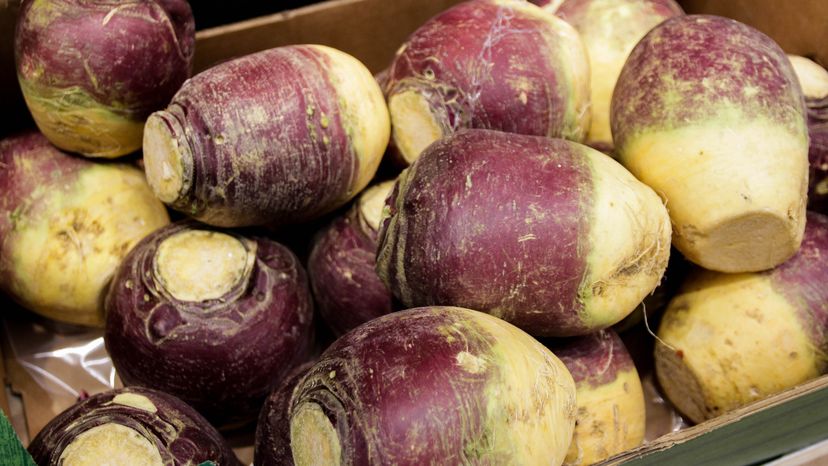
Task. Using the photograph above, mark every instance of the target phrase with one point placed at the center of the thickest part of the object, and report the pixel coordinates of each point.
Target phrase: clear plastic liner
(67, 362)
(70, 363)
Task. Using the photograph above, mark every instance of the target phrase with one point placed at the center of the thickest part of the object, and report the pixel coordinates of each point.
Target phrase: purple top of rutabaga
(690, 69)
(181, 435)
(99, 46)
(460, 60)
(267, 129)
(221, 355)
(477, 220)
(399, 381)
(594, 359)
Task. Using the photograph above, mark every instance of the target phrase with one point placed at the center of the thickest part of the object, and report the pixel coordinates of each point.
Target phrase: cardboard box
(372, 30)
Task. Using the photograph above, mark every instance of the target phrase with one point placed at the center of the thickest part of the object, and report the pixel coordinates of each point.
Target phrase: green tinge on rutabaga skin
(697, 68)
(91, 72)
(76, 121)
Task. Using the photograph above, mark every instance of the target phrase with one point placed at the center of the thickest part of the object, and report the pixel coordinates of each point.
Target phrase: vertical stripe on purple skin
(594, 359)
(267, 138)
(465, 61)
(222, 356)
(689, 68)
(802, 279)
(342, 270)
(181, 434)
(132, 55)
(395, 391)
(28, 162)
(494, 222)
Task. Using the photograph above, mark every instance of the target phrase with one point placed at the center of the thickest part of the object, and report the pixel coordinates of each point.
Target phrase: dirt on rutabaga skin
(516, 226)
(92, 72)
(223, 347)
(611, 413)
(277, 137)
(434, 385)
(493, 64)
(131, 426)
(65, 225)
(273, 428)
(342, 265)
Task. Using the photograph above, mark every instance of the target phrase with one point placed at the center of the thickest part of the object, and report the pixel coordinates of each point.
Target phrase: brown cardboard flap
(370, 30)
(799, 26)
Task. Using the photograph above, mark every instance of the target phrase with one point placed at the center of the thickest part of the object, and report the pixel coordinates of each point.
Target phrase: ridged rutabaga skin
(737, 338)
(709, 113)
(609, 29)
(818, 175)
(434, 385)
(280, 136)
(131, 426)
(814, 81)
(493, 64)
(611, 414)
(548, 234)
(92, 71)
(273, 429)
(343, 261)
(65, 225)
(214, 318)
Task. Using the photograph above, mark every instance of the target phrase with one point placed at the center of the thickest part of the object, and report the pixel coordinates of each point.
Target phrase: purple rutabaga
(506, 65)
(342, 265)
(212, 317)
(131, 426)
(610, 29)
(65, 225)
(280, 136)
(611, 415)
(729, 339)
(818, 160)
(548, 234)
(708, 112)
(814, 81)
(92, 71)
(273, 429)
(434, 385)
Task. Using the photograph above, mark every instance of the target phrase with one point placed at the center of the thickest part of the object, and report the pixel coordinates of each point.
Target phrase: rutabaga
(548, 234)
(213, 317)
(92, 71)
(65, 225)
(277, 137)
